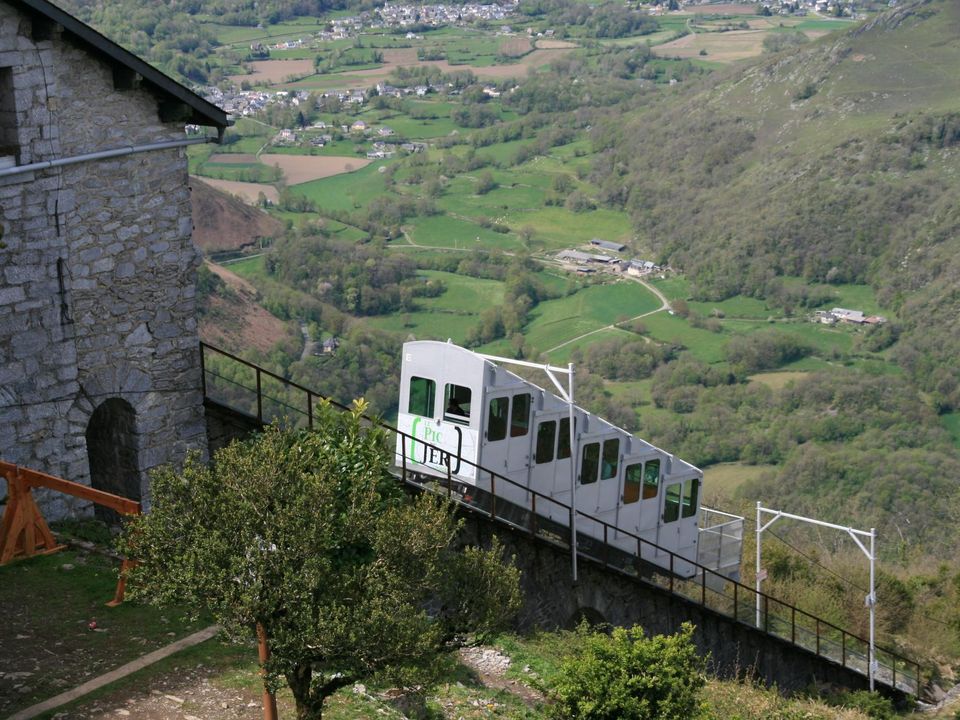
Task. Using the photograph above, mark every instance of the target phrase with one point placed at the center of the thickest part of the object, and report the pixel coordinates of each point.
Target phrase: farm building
(607, 245)
(99, 362)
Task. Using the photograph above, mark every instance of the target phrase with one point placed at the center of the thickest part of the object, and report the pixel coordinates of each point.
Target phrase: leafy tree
(305, 534)
(626, 676)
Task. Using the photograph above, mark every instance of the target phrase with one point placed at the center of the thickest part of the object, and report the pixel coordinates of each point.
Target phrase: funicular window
(651, 479)
(497, 419)
(632, 479)
(520, 417)
(689, 503)
(611, 457)
(590, 463)
(546, 434)
(671, 505)
(563, 441)
(422, 394)
(456, 403)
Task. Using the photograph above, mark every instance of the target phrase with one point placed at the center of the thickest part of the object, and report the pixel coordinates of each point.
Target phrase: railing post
(533, 514)
(671, 572)
(793, 624)
(606, 546)
(259, 399)
(703, 587)
(449, 480)
(310, 411)
(893, 664)
(735, 603)
(403, 456)
(493, 496)
(843, 648)
(818, 635)
(766, 613)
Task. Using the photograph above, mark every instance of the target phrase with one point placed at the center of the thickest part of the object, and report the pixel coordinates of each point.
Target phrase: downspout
(104, 154)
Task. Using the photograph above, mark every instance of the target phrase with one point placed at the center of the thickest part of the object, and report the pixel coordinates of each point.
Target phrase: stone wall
(97, 269)
(552, 601)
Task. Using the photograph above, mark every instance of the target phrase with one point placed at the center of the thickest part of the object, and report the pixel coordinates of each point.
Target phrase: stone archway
(112, 453)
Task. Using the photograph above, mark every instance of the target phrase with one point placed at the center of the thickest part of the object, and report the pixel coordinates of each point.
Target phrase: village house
(100, 376)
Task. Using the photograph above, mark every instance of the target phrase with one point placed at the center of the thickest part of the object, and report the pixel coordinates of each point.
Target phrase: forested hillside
(836, 163)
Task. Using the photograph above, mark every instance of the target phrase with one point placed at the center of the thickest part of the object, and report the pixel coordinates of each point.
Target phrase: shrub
(626, 676)
(873, 705)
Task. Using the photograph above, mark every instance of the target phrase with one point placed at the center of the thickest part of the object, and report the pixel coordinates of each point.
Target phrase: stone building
(99, 362)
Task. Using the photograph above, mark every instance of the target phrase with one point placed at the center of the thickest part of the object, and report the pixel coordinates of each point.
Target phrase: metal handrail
(823, 643)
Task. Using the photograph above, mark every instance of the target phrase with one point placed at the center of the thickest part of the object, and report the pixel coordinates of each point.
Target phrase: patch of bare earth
(274, 71)
(491, 665)
(184, 693)
(222, 222)
(304, 168)
(727, 9)
(721, 47)
(407, 57)
(555, 44)
(246, 191)
(237, 322)
(231, 158)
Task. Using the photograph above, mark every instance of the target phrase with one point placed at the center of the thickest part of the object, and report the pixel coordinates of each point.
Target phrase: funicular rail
(270, 396)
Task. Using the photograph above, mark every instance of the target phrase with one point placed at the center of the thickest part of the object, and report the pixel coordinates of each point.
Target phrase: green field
(444, 231)
(556, 321)
(349, 191)
(702, 344)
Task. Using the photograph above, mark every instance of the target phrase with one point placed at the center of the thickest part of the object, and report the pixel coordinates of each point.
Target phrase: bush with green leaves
(305, 534)
(626, 676)
(870, 703)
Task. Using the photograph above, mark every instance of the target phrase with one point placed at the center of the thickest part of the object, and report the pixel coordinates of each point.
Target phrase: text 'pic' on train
(504, 440)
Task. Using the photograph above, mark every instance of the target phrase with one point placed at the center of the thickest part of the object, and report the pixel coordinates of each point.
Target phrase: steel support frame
(871, 599)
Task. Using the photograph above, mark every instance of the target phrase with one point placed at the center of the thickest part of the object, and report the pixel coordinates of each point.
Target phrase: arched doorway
(112, 452)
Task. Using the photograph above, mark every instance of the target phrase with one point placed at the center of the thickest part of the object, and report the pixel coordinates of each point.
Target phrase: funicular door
(595, 479)
(550, 467)
(678, 519)
(506, 441)
(641, 501)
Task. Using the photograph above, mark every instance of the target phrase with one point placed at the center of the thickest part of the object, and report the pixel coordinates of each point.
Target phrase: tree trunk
(309, 706)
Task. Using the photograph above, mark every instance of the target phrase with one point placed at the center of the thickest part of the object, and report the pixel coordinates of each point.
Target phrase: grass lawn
(562, 228)
(348, 191)
(702, 344)
(858, 297)
(250, 268)
(735, 307)
(724, 479)
(449, 232)
(778, 380)
(556, 321)
(464, 294)
(48, 602)
(675, 288)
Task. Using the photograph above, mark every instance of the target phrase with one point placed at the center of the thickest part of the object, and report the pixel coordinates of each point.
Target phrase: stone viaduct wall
(735, 649)
(97, 270)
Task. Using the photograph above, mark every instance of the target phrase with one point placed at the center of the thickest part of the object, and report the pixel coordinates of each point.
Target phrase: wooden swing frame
(23, 531)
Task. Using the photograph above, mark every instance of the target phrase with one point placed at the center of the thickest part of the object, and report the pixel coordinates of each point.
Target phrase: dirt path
(664, 305)
(114, 675)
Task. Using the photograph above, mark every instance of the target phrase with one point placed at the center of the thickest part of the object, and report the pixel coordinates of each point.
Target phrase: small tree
(305, 534)
(625, 676)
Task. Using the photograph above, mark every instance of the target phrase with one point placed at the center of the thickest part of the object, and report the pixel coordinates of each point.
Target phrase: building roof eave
(200, 111)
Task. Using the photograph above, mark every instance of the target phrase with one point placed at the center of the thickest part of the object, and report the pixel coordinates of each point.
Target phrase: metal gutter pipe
(104, 154)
